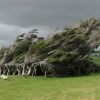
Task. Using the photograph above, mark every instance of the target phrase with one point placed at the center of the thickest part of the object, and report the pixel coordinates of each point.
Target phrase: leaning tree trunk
(29, 71)
(45, 73)
(35, 71)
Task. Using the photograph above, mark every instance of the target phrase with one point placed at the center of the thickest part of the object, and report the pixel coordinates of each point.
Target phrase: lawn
(40, 88)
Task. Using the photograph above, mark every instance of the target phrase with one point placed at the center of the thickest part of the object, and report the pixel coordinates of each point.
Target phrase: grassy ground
(40, 88)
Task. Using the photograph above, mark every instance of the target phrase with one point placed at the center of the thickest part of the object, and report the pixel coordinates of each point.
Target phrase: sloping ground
(66, 53)
(40, 88)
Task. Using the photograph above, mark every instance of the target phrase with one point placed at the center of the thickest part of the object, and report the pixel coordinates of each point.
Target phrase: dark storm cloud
(17, 16)
(46, 12)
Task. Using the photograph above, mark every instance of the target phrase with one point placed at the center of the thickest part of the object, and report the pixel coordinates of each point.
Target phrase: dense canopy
(66, 53)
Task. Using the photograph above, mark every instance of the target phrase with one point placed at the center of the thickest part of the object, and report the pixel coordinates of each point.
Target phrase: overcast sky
(17, 16)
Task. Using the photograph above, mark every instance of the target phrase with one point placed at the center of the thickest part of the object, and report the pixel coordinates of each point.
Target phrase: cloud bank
(18, 16)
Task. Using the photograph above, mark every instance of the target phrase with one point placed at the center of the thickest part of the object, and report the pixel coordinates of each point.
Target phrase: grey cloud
(18, 16)
(46, 12)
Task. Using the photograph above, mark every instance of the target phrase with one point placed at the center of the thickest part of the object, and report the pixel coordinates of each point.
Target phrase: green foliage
(37, 48)
(53, 60)
(57, 36)
(8, 57)
(62, 57)
(39, 45)
(96, 60)
(58, 53)
(2, 50)
(67, 48)
(22, 47)
(89, 22)
(20, 58)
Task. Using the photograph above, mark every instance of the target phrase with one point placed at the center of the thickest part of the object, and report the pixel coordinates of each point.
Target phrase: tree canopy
(68, 52)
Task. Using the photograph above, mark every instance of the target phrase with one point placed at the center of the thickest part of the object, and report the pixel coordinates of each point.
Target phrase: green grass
(40, 88)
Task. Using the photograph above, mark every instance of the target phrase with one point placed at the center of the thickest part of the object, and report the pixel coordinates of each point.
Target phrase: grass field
(40, 88)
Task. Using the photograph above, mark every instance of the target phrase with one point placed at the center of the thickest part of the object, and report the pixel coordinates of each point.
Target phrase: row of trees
(66, 53)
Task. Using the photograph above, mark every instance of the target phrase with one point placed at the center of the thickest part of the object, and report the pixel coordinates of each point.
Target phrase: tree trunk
(34, 71)
(45, 74)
